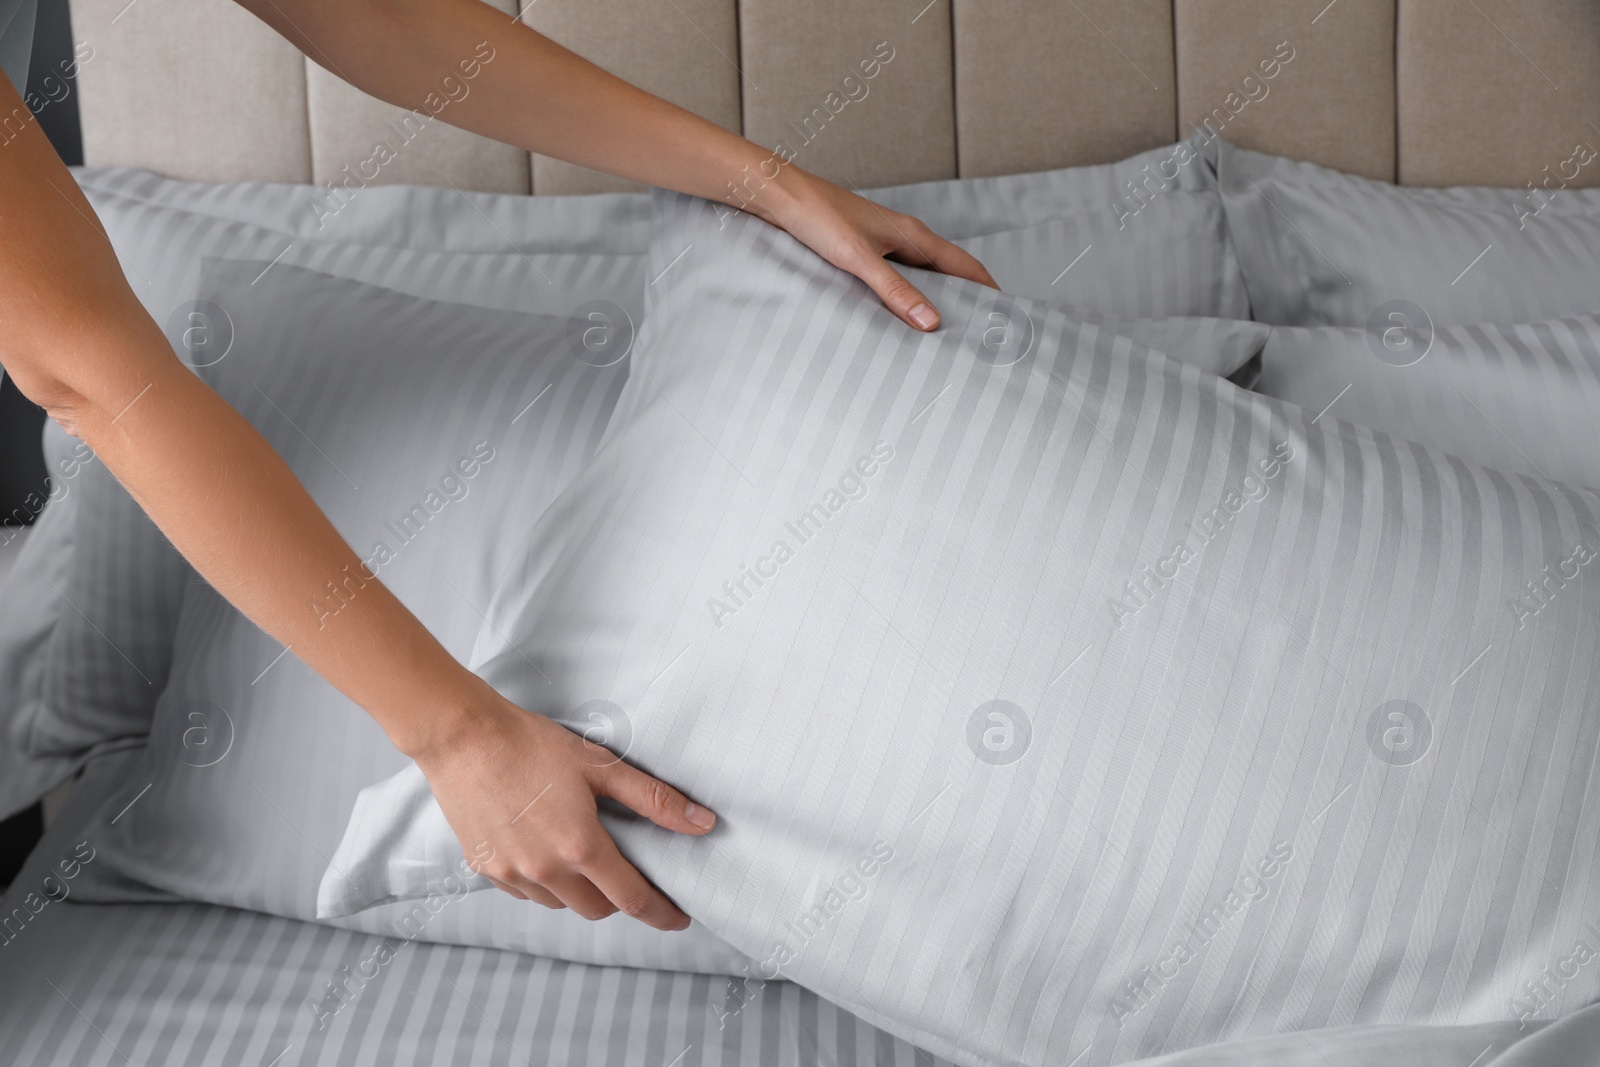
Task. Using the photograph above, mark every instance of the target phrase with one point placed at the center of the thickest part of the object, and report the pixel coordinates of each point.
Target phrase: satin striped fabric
(429, 434)
(1173, 259)
(1522, 398)
(1321, 248)
(1060, 703)
(105, 627)
(1143, 237)
(214, 987)
(88, 637)
(414, 217)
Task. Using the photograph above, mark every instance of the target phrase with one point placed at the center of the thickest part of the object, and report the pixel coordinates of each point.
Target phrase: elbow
(75, 377)
(36, 379)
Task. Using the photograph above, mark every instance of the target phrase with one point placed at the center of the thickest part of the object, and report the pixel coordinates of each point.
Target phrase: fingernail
(924, 317)
(699, 816)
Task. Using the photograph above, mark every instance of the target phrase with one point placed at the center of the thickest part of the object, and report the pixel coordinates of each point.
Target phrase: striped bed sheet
(197, 985)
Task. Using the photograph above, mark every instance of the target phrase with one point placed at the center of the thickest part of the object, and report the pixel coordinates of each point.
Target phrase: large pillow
(1140, 238)
(398, 216)
(1521, 398)
(1060, 703)
(83, 658)
(1322, 248)
(430, 434)
(86, 645)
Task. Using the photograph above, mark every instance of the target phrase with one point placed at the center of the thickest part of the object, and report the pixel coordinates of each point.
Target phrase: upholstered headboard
(1428, 92)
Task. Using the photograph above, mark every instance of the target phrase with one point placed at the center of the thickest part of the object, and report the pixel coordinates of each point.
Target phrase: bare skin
(77, 341)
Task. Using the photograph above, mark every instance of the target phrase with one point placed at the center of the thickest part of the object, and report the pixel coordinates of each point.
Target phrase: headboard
(1426, 92)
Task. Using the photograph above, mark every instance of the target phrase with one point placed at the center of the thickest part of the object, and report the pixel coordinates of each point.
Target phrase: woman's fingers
(581, 895)
(898, 295)
(506, 887)
(654, 799)
(523, 889)
(914, 244)
(631, 893)
(952, 259)
(555, 852)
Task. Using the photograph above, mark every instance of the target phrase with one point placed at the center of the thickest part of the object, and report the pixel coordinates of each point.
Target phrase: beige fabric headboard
(1430, 92)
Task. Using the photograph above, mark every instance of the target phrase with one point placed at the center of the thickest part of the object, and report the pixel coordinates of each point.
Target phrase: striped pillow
(88, 638)
(1061, 703)
(1140, 238)
(74, 678)
(1321, 248)
(429, 433)
(1523, 398)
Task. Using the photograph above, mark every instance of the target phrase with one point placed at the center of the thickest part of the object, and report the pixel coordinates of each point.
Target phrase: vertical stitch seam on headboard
(311, 140)
(738, 47)
(955, 97)
(1177, 98)
(529, 157)
(1395, 80)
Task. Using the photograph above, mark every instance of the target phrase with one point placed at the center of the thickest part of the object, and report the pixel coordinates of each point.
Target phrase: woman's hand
(519, 790)
(854, 234)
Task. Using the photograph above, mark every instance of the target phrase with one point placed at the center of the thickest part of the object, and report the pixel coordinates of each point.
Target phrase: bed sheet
(198, 985)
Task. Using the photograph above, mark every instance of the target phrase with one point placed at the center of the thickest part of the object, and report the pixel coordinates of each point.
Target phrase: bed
(193, 951)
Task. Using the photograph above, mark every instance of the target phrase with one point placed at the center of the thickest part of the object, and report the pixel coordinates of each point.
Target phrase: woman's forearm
(533, 93)
(77, 341)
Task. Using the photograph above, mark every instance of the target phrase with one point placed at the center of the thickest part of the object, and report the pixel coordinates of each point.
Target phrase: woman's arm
(76, 340)
(539, 96)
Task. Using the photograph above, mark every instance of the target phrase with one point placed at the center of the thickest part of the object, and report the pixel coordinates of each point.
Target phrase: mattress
(193, 984)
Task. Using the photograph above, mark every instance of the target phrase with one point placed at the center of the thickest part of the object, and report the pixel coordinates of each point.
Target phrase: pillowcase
(430, 434)
(1141, 238)
(87, 650)
(105, 628)
(1053, 695)
(1322, 248)
(416, 217)
(1523, 398)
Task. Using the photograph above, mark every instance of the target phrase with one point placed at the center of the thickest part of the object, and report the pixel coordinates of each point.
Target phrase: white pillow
(1322, 248)
(88, 638)
(82, 661)
(1144, 237)
(430, 434)
(1520, 398)
(1053, 695)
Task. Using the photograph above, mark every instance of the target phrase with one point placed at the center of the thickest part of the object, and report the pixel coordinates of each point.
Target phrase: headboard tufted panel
(682, 50)
(1427, 91)
(1494, 91)
(1056, 83)
(1330, 98)
(896, 126)
(345, 127)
